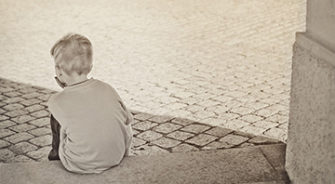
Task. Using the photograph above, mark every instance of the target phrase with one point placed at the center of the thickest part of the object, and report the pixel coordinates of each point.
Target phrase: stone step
(261, 164)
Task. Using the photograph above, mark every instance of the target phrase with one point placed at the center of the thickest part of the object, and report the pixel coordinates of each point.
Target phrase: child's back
(94, 134)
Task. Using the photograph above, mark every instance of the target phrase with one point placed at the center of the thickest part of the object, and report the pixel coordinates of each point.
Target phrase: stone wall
(311, 150)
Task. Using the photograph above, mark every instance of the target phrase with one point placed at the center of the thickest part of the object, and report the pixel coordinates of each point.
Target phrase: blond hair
(76, 54)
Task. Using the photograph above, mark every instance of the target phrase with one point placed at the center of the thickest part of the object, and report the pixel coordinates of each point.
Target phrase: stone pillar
(310, 154)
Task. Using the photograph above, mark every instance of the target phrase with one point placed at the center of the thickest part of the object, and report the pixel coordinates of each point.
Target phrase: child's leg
(55, 128)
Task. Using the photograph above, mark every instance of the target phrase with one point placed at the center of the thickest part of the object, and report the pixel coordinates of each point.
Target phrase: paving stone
(12, 94)
(2, 111)
(44, 97)
(6, 123)
(262, 140)
(138, 142)
(217, 145)
(160, 119)
(179, 135)
(166, 142)
(5, 133)
(242, 110)
(167, 128)
(233, 139)
(142, 116)
(265, 124)
(144, 125)
(184, 148)
(149, 135)
(6, 154)
(34, 108)
(23, 136)
(251, 118)
(182, 121)
(40, 114)
(20, 158)
(13, 100)
(253, 130)
(219, 132)
(244, 134)
(135, 132)
(149, 150)
(15, 113)
(39, 153)
(3, 144)
(22, 127)
(3, 117)
(246, 144)
(22, 147)
(277, 118)
(6, 89)
(40, 122)
(201, 139)
(12, 106)
(40, 131)
(30, 102)
(31, 95)
(2, 104)
(42, 141)
(23, 119)
(277, 133)
(27, 90)
(195, 128)
(228, 116)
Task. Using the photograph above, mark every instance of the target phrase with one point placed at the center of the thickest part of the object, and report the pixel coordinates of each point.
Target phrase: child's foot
(53, 155)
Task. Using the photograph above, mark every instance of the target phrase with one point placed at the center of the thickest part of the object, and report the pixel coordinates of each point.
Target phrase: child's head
(72, 55)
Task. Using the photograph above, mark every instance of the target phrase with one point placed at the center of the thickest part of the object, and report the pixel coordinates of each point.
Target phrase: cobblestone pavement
(25, 133)
(224, 63)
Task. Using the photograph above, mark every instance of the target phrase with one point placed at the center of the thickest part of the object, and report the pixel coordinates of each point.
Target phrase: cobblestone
(179, 135)
(167, 128)
(40, 153)
(184, 148)
(19, 137)
(22, 147)
(40, 114)
(40, 131)
(5, 133)
(149, 135)
(22, 127)
(145, 125)
(195, 128)
(40, 122)
(41, 141)
(23, 119)
(6, 123)
(201, 139)
(6, 154)
(166, 142)
(233, 139)
(4, 144)
(219, 132)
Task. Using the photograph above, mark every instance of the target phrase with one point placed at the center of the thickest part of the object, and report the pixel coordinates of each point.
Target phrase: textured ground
(25, 133)
(225, 63)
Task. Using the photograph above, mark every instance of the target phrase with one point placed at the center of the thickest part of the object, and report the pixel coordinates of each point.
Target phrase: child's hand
(61, 84)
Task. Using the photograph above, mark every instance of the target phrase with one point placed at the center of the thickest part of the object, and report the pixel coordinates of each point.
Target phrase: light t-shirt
(94, 135)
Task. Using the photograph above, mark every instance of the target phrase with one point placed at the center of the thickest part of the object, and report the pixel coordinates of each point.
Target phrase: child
(90, 124)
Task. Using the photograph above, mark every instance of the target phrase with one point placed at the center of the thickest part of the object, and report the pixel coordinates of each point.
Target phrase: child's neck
(76, 79)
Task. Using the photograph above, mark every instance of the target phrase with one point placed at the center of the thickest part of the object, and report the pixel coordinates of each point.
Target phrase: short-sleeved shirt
(95, 124)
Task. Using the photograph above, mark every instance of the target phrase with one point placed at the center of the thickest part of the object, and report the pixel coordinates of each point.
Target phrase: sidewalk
(25, 133)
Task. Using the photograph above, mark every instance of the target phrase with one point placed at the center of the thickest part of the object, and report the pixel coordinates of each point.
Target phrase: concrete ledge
(242, 165)
(316, 49)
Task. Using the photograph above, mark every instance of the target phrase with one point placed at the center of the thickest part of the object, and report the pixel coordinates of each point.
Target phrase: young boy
(90, 124)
